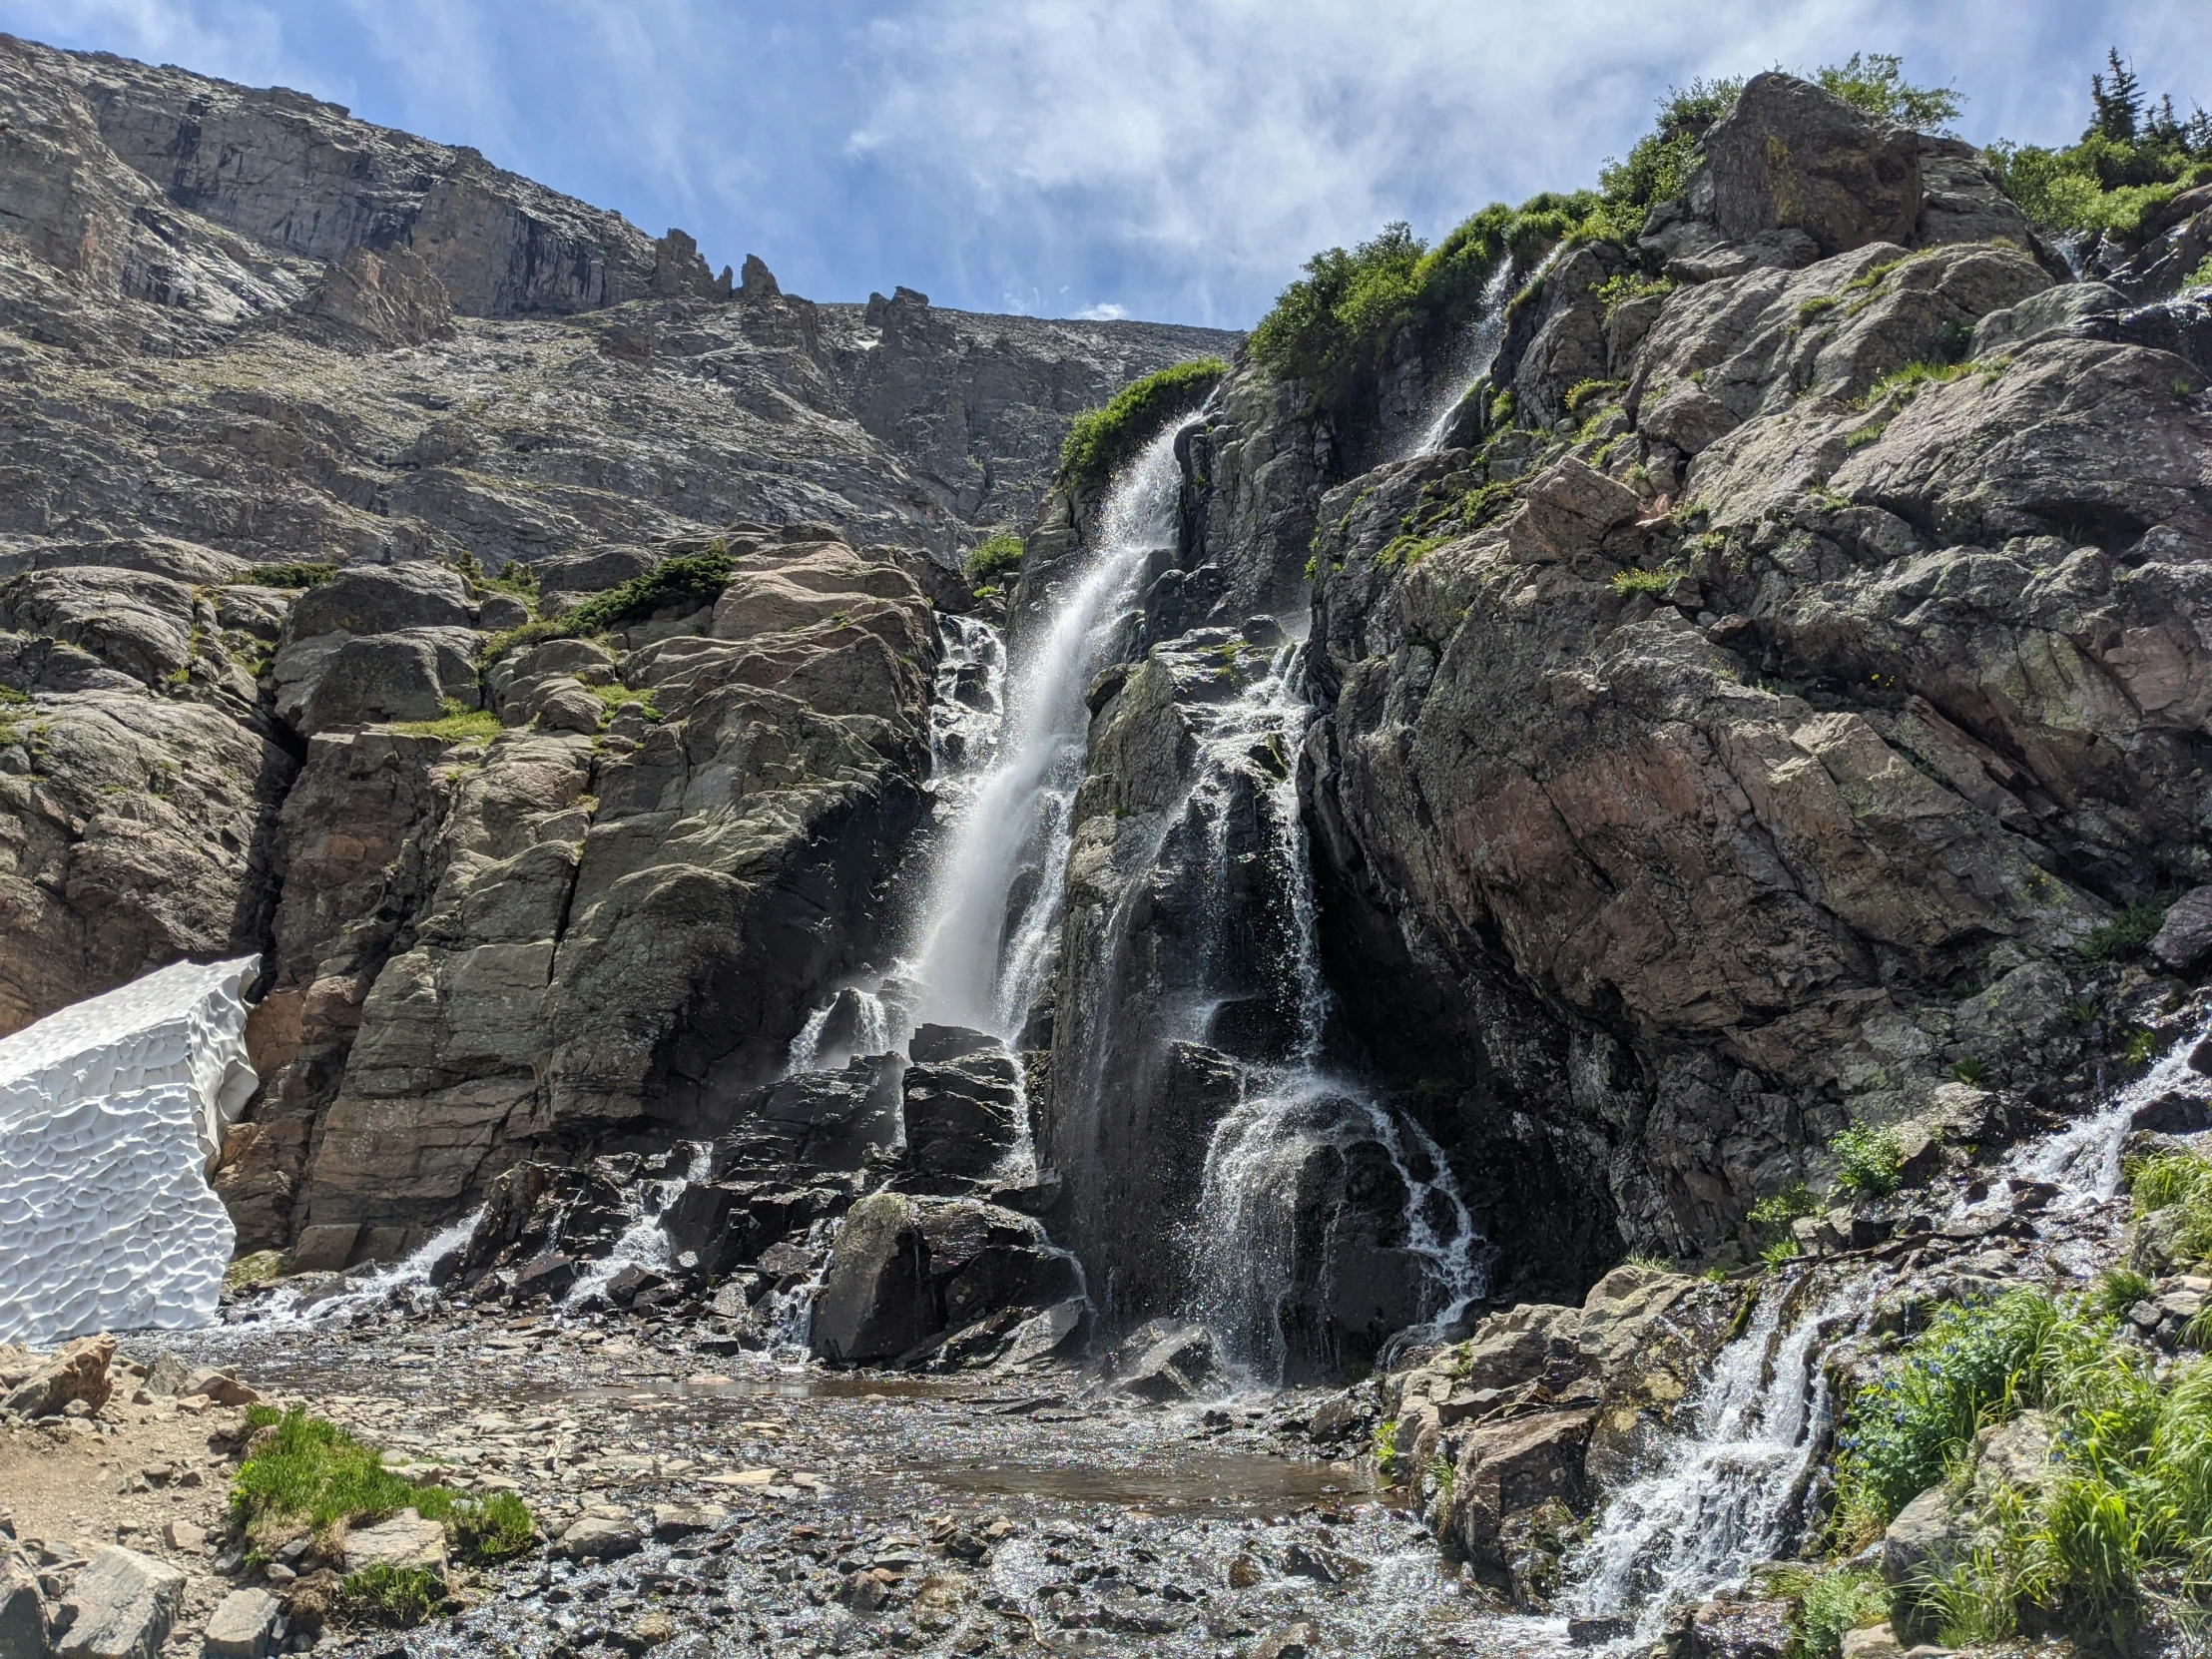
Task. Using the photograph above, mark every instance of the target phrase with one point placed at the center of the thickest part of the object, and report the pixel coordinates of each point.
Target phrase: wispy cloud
(1183, 156)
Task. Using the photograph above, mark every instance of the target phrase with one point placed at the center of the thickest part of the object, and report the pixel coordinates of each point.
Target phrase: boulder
(963, 1116)
(243, 1627)
(1927, 1535)
(1506, 1467)
(122, 1606)
(672, 1522)
(2184, 940)
(1568, 510)
(78, 1372)
(335, 681)
(381, 599)
(1790, 156)
(932, 1044)
(407, 1541)
(1170, 1360)
(821, 1120)
(1046, 1335)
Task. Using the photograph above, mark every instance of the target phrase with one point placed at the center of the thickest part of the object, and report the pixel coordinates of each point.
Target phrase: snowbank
(109, 1112)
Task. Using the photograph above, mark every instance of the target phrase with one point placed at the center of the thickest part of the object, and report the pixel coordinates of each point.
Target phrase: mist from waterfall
(990, 926)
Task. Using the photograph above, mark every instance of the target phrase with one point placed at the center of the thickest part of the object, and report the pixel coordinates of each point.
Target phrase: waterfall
(1725, 1491)
(1293, 1111)
(1477, 350)
(992, 920)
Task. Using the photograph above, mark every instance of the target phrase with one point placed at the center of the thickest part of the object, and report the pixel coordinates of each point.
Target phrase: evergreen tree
(2119, 101)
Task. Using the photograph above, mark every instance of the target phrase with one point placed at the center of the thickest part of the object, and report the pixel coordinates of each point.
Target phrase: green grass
(1619, 291)
(691, 582)
(1100, 443)
(1626, 582)
(1868, 1159)
(456, 724)
(2128, 933)
(312, 1475)
(1970, 1070)
(395, 1598)
(994, 559)
(281, 576)
(1782, 1250)
(1386, 1450)
(1814, 306)
(622, 697)
(1582, 392)
(2180, 1182)
(2118, 1291)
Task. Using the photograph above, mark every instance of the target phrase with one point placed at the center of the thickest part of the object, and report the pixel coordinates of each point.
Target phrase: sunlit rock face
(109, 1111)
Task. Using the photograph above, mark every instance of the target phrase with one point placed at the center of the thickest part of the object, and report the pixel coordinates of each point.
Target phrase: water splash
(990, 924)
(1727, 1491)
(644, 1243)
(406, 1281)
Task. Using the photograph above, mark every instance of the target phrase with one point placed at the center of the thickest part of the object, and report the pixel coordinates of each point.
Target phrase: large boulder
(1507, 1468)
(336, 680)
(122, 1606)
(25, 1621)
(818, 1120)
(406, 1541)
(905, 1269)
(381, 599)
(1790, 156)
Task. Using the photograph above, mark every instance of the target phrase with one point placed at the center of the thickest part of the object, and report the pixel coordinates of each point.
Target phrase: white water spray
(1476, 352)
(992, 921)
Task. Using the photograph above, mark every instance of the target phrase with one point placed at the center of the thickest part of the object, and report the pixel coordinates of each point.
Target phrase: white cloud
(1106, 310)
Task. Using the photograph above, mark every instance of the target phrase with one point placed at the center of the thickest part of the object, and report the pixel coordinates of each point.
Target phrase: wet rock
(1057, 1330)
(2174, 1113)
(672, 1522)
(122, 1606)
(1741, 1630)
(242, 1625)
(601, 1532)
(1292, 1641)
(1506, 1467)
(818, 1120)
(530, 1204)
(933, 1044)
(963, 1115)
(407, 1541)
(78, 1372)
(552, 1274)
(2184, 940)
(1169, 1359)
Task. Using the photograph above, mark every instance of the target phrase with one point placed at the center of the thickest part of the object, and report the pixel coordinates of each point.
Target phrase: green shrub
(690, 582)
(281, 576)
(992, 558)
(1831, 1603)
(1868, 1159)
(1790, 1204)
(1101, 442)
(1875, 83)
(396, 1598)
(1971, 1363)
(1386, 1450)
(2132, 156)
(2118, 1291)
(2180, 1182)
(2130, 932)
(1632, 580)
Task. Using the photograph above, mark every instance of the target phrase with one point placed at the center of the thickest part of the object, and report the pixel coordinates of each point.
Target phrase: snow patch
(110, 1113)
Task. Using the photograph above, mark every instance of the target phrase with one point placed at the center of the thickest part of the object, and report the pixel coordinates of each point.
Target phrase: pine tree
(2196, 132)
(2119, 101)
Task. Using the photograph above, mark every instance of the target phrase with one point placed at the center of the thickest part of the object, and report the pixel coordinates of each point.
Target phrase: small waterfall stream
(1470, 361)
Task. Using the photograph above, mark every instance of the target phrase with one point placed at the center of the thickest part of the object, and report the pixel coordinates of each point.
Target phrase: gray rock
(1929, 1534)
(411, 674)
(963, 1116)
(931, 1044)
(381, 599)
(1790, 156)
(242, 1625)
(122, 1606)
(1168, 1360)
(407, 1541)
(2184, 939)
(2055, 312)
(1743, 1630)
(77, 1375)
(600, 1534)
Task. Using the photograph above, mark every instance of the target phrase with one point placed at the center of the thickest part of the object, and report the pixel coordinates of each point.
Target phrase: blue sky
(1168, 159)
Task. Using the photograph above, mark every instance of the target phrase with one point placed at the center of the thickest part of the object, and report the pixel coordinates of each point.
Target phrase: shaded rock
(932, 1044)
(24, 1618)
(1055, 1332)
(2184, 939)
(963, 1116)
(122, 1606)
(381, 599)
(675, 1521)
(825, 1120)
(377, 301)
(1789, 156)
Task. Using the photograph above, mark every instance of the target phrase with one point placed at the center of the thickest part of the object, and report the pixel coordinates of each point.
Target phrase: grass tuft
(2130, 932)
(456, 724)
(395, 1598)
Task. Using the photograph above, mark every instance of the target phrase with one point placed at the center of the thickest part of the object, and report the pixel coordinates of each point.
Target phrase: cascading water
(645, 1242)
(1476, 352)
(1294, 1111)
(1726, 1492)
(989, 926)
